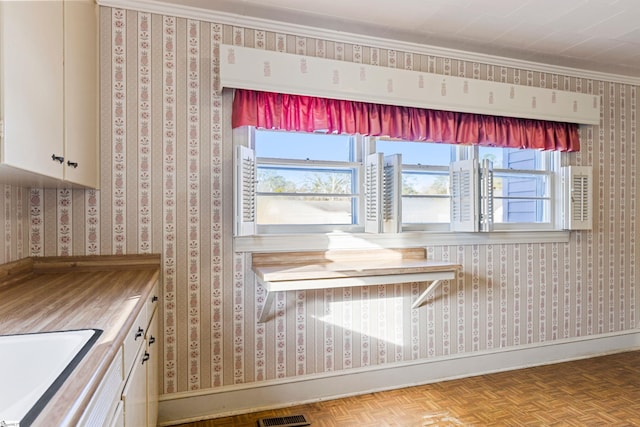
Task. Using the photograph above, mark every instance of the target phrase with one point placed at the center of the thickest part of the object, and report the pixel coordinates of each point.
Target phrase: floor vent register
(288, 421)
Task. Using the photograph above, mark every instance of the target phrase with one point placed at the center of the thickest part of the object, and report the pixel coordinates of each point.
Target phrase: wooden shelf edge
(95, 262)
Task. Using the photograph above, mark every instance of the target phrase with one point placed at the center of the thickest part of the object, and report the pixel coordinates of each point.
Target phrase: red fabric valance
(308, 114)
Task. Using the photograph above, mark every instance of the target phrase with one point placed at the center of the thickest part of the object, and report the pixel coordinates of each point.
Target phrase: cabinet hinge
(1, 128)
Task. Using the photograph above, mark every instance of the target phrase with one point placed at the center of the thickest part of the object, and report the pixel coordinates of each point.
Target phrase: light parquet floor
(601, 391)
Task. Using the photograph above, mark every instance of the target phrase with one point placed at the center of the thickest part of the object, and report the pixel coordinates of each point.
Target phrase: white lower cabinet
(118, 417)
(140, 394)
(153, 370)
(128, 394)
(104, 405)
(134, 396)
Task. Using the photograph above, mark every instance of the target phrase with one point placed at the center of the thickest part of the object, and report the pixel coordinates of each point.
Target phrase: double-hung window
(425, 190)
(523, 187)
(305, 182)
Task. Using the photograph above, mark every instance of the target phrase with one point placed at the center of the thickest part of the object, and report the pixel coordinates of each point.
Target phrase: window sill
(343, 240)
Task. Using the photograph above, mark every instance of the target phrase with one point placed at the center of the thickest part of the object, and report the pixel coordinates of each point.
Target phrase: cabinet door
(81, 93)
(32, 85)
(134, 396)
(153, 374)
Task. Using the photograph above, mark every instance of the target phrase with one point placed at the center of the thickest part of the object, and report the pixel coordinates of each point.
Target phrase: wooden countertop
(62, 293)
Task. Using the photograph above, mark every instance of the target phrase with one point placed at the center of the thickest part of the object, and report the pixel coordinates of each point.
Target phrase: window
(523, 184)
(316, 182)
(518, 185)
(425, 182)
(306, 181)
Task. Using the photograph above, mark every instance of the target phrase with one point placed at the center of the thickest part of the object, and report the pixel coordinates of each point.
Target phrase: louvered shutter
(392, 194)
(578, 196)
(372, 193)
(245, 191)
(463, 176)
(486, 196)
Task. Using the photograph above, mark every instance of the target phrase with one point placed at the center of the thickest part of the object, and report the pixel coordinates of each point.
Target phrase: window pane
(519, 185)
(418, 153)
(520, 211)
(521, 198)
(304, 210)
(425, 179)
(301, 190)
(425, 197)
(513, 158)
(303, 146)
(425, 183)
(417, 210)
(298, 180)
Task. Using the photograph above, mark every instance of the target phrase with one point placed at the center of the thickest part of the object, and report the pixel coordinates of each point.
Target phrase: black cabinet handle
(72, 164)
(139, 333)
(152, 339)
(154, 298)
(145, 357)
(57, 158)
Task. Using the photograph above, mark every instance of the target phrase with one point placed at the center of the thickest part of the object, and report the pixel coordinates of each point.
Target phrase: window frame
(356, 165)
(552, 163)
(459, 152)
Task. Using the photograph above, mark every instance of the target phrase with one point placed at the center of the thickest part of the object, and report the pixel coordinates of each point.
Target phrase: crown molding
(162, 8)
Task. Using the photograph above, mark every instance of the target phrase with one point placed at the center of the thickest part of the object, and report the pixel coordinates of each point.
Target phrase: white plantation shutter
(373, 176)
(486, 196)
(463, 176)
(245, 191)
(392, 194)
(577, 195)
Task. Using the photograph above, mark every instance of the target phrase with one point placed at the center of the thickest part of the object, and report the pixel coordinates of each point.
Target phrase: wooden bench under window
(294, 271)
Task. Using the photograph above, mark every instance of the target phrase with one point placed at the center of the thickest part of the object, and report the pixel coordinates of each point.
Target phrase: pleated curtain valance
(310, 114)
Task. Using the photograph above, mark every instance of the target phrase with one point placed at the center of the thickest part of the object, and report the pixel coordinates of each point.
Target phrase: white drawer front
(153, 300)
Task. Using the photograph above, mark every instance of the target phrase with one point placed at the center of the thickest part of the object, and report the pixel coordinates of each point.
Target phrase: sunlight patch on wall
(379, 321)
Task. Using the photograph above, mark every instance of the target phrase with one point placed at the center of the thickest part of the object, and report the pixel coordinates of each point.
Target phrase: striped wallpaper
(166, 188)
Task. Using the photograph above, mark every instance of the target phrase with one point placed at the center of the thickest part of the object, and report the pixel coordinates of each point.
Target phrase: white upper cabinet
(81, 93)
(49, 93)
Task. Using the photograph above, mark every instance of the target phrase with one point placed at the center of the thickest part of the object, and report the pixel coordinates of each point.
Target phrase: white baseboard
(237, 399)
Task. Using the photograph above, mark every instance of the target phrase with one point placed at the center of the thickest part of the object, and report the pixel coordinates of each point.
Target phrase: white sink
(34, 366)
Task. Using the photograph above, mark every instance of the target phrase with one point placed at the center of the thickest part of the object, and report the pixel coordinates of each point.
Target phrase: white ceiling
(595, 35)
